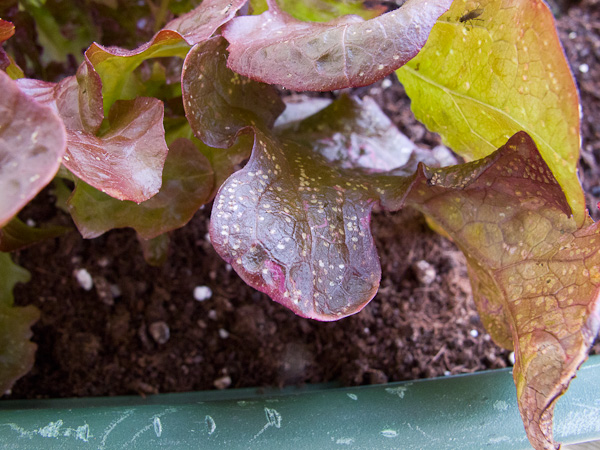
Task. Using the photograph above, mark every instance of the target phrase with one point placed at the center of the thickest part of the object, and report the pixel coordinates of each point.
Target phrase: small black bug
(471, 15)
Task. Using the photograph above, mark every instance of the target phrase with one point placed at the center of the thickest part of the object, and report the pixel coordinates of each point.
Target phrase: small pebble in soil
(386, 83)
(103, 262)
(104, 291)
(223, 382)
(30, 222)
(84, 279)
(115, 290)
(584, 68)
(212, 314)
(474, 333)
(202, 293)
(424, 272)
(223, 333)
(159, 331)
(511, 358)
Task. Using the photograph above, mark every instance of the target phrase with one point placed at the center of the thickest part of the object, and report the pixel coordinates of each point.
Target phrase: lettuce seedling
(294, 221)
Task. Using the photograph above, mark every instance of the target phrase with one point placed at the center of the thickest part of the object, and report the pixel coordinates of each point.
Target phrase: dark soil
(140, 330)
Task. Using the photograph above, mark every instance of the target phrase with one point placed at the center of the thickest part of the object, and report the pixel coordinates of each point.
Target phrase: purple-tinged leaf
(298, 229)
(200, 24)
(224, 161)
(17, 352)
(218, 102)
(7, 29)
(276, 48)
(16, 235)
(355, 133)
(32, 144)
(187, 185)
(126, 161)
(535, 274)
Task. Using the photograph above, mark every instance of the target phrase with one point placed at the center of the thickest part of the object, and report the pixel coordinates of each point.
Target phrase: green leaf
(16, 351)
(115, 65)
(535, 273)
(48, 23)
(16, 235)
(218, 102)
(276, 48)
(320, 10)
(479, 81)
(187, 184)
(32, 143)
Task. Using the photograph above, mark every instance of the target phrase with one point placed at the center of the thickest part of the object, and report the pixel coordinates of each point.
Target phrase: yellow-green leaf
(492, 68)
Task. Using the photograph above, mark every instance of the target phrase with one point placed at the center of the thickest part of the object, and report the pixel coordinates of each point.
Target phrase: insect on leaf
(477, 82)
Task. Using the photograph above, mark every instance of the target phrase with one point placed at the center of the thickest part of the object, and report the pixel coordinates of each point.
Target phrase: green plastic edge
(467, 411)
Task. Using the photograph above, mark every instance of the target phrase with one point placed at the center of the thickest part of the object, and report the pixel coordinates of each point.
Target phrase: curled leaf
(535, 273)
(187, 185)
(126, 161)
(218, 102)
(32, 144)
(200, 24)
(477, 82)
(297, 229)
(115, 65)
(276, 48)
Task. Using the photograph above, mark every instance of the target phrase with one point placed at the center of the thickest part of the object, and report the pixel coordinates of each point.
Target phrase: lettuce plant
(294, 222)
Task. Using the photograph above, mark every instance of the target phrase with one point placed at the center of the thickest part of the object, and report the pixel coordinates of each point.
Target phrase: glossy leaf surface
(126, 160)
(187, 185)
(200, 24)
(219, 102)
(32, 144)
(479, 81)
(535, 273)
(298, 229)
(276, 48)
